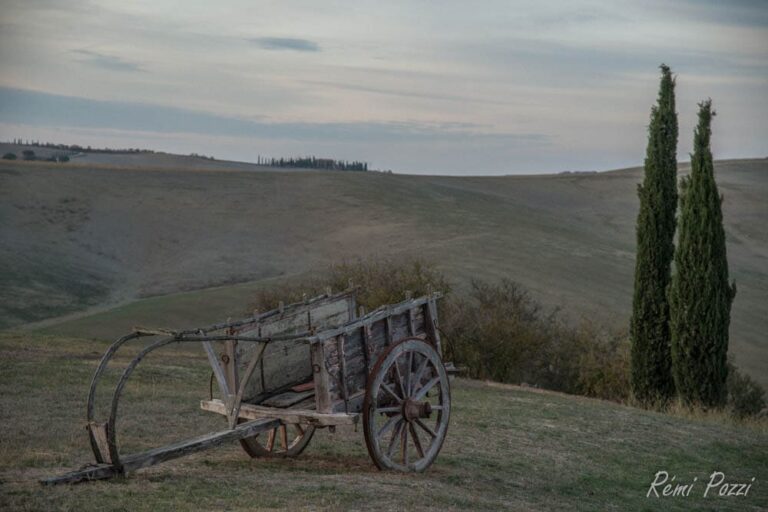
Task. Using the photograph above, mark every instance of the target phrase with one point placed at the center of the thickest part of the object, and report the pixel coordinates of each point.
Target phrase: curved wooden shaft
(111, 433)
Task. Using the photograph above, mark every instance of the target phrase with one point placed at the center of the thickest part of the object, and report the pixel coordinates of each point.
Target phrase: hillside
(144, 160)
(508, 448)
(89, 239)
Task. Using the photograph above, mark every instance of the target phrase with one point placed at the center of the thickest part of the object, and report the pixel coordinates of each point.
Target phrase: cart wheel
(407, 407)
(284, 441)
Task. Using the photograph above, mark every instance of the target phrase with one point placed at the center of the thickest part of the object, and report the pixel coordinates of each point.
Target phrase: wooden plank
(216, 367)
(230, 368)
(342, 369)
(95, 472)
(197, 444)
(430, 317)
(371, 318)
(355, 403)
(365, 336)
(99, 432)
(322, 384)
(307, 416)
(165, 453)
(303, 387)
(288, 362)
(287, 399)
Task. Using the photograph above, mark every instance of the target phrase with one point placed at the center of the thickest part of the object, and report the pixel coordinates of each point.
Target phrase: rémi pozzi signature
(664, 486)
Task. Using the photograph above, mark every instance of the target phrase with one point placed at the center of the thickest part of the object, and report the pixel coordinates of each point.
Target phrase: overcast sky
(453, 87)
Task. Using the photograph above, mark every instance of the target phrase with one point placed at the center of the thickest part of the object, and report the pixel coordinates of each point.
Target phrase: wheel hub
(413, 409)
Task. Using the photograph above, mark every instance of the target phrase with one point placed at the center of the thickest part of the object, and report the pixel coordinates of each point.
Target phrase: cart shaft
(164, 453)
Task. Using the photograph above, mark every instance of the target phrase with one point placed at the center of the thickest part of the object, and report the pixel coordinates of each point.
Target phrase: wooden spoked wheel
(407, 407)
(287, 440)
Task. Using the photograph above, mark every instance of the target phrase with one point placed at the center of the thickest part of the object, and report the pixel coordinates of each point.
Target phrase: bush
(9, 156)
(745, 396)
(603, 363)
(380, 282)
(500, 333)
(497, 331)
(28, 154)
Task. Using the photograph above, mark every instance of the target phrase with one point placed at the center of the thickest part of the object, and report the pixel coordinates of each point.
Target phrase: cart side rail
(230, 326)
(342, 358)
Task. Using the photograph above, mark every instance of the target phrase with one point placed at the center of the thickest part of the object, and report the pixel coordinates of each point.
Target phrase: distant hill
(81, 238)
(144, 159)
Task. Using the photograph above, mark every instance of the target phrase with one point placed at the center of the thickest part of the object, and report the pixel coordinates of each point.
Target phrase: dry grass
(507, 448)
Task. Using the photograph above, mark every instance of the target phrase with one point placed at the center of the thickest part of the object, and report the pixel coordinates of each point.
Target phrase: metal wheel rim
(395, 441)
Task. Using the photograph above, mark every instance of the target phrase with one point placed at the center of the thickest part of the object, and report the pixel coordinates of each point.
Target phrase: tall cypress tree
(652, 380)
(700, 294)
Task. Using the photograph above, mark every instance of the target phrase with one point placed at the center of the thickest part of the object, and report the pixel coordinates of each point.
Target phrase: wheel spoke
(426, 428)
(284, 436)
(271, 439)
(399, 377)
(393, 441)
(408, 371)
(420, 373)
(405, 446)
(424, 390)
(416, 440)
(392, 421)
(386, 388)
(383, 410)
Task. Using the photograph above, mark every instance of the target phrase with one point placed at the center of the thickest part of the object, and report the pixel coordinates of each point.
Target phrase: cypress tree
(700, 294)
(651, 375)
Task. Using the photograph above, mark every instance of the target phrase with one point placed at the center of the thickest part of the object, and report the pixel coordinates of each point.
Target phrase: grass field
(507, 448)
(169, 247)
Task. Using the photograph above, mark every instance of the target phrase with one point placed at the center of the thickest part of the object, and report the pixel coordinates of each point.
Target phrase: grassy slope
(507, 448)
(78, 238)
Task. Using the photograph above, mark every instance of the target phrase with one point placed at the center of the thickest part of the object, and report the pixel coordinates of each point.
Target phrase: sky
(427, 87)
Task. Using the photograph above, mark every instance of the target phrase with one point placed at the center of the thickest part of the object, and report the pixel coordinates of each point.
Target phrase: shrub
(745, 396)
(603, 364)
(500, 333)
(380, 282)
(28, 154)
(497, 331)
(9, 156)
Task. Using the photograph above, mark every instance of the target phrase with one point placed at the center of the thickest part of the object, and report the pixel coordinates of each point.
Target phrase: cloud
(285, 43)
(28, 107)
(108, 62)
(408, 94)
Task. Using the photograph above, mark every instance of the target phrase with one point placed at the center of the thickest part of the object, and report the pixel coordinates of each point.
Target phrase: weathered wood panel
(380, 334)
(289, 362)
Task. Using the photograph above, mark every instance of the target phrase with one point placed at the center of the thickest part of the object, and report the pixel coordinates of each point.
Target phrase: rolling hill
(123, 245)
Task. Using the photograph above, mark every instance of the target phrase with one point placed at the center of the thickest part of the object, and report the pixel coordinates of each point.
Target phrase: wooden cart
(284, 373)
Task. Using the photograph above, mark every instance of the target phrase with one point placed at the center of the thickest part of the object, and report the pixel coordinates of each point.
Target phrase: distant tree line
(29, 156)
(79, 149)
(311, 162)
